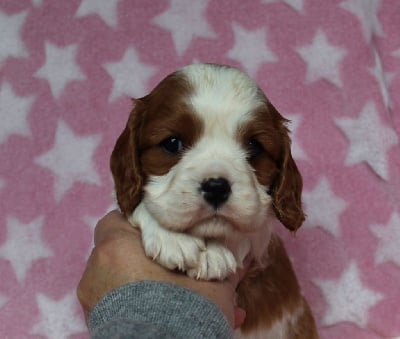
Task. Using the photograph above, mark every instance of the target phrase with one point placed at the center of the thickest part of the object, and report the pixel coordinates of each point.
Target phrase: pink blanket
(67, 72)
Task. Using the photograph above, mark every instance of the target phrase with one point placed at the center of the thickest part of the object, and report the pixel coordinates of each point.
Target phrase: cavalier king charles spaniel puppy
(202, 168)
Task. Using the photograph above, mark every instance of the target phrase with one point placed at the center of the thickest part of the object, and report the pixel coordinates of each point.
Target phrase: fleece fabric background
(67, 72)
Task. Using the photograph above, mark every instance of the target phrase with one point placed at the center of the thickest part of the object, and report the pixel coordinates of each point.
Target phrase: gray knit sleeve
(151, 309)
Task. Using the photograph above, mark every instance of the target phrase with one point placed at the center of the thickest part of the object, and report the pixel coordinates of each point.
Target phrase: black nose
(216, 191)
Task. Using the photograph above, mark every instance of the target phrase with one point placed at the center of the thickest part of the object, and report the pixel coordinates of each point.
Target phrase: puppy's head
(206, 151)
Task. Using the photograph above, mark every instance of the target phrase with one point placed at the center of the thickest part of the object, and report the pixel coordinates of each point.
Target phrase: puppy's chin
(222, 225)
(205, 222)
(216, 227)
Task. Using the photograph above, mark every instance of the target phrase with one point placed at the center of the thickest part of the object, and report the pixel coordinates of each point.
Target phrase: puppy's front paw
(216, 262)
(173, 250)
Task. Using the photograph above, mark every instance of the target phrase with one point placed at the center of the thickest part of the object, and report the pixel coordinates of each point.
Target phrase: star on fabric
(37, 3)
(91, 222)
(13, 113)
(297, 151)
(24, 245)
(186, 21)
(12, 44)
(348, 299)
(324, 208)
(396, 53)
(251, 48)
(130, 75)
(70, 160)
(297, 5)
(367, 14)
(369, 140)
(383, 78)
(58, 318)
(106, 10)
(60, 67)
(3, 300)
(322, 60)
(389, 240)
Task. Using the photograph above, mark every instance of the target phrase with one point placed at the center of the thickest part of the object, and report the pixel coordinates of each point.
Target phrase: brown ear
(287, 187)
(287, 194)
(125, 163)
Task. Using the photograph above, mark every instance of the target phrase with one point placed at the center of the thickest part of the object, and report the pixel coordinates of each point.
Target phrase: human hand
(118, 259)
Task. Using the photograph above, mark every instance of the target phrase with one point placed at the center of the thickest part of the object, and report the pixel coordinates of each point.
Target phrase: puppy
(202, 168)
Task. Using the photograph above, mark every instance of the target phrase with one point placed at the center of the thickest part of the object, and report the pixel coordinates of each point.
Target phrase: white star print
(13, 113)
(369, 140)
(322, 60)
(60, 68)
(366, 12)
(348, 300)
(396, 53)
(10, 36)
(251, 48)
(186, 21)
(59, 318)
(3, 300)
(24, 245)
(130, 75)
(389, 240)
(106, 10)
(70, 159)
(383, 78)
(297, 5)
(297, 151)
(92, 221)
(37, 3)
(324, 208)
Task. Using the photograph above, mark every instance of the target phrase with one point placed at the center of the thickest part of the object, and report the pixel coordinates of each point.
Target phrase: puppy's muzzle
(216, 191)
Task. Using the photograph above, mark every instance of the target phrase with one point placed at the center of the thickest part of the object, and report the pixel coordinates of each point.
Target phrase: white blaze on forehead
(222, 96)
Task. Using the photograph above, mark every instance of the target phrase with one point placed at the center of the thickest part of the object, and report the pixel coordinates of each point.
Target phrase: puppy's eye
(172, 145)
(254, 149)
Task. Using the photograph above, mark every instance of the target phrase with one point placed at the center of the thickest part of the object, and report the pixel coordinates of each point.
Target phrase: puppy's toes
(190, 250)
(152, 247)
(174, 250)
(217, 262)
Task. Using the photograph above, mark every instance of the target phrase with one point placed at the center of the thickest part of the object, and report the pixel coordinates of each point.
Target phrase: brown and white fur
(202, 168)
